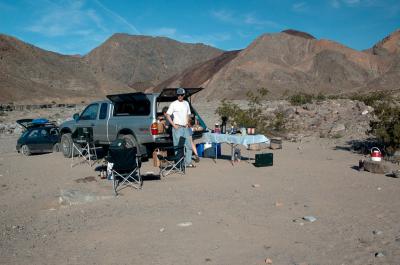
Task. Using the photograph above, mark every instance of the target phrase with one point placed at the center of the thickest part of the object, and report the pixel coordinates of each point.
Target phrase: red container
(154, 128)
(250, 131)
(376, 154)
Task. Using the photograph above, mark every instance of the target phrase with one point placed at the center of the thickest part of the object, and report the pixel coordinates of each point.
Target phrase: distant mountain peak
(388, 45)
(298, 33)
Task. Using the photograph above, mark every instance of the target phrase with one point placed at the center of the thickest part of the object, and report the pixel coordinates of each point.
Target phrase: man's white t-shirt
(180, 110)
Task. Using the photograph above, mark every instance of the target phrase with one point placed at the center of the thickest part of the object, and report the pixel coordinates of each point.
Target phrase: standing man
(180, 110)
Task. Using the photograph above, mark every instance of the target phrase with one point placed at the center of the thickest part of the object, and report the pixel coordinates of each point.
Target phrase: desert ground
(217, 213)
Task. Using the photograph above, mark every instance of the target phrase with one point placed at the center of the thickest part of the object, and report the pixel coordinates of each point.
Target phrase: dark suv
(39, 136)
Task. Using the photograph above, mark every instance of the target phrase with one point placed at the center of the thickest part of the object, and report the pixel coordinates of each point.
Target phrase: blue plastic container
(200, 149)
(209, 152)
(214, 151)
(40, 121)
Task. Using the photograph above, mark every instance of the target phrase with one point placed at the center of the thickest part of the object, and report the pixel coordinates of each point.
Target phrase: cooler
(264, 160)
(210, 150)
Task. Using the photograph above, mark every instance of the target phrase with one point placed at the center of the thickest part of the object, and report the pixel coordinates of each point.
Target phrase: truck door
(88, 118)
(102, 123)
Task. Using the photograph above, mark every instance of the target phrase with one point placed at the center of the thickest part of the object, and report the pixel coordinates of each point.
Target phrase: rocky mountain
(285, 63)
(142, 62)
(389, 50)
(123, 63)
(290, 62)
(30, 74)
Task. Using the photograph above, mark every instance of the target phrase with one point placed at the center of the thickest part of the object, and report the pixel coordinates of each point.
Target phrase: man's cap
(180, 91)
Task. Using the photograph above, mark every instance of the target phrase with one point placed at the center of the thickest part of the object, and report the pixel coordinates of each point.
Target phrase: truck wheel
(130, 141)
(25, 150)
(66, 145)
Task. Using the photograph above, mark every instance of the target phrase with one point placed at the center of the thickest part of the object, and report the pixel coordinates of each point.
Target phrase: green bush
(278, 123)
(320, 97)
(387, 125)
(333, 97)
(372, 98)
(250, 117)
(301, 99)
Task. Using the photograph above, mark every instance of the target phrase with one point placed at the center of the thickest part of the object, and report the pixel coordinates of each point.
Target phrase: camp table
(234, 140)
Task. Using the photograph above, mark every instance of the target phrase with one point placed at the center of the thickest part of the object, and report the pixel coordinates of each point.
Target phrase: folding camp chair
(83, 146)
(174, 163)
(125, 169)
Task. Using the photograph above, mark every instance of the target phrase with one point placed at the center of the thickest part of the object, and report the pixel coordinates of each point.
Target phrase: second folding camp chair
(83, 146)
(174, 163)
(124, 164)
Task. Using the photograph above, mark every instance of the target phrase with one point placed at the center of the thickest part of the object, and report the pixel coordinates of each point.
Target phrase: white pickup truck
(132, 116)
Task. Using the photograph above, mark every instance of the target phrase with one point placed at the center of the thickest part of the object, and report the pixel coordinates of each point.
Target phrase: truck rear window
(140, 107)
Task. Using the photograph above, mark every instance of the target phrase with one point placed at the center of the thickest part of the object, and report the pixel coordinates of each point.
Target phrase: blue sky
(78, 26)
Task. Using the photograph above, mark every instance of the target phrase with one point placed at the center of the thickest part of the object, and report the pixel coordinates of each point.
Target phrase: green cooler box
(264, 160)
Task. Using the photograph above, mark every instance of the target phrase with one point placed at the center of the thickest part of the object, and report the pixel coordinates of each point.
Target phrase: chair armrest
(173, 148)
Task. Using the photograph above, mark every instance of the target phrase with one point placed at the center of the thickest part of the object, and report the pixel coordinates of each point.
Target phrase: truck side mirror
(76, 116)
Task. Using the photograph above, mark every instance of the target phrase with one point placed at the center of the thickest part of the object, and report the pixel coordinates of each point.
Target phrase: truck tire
(66, 145)
(130, 141)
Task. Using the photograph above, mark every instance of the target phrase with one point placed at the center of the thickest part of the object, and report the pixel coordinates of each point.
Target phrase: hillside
(285, 63)
(123, 63)
(290, 62)
(142, 61)
(30, 74)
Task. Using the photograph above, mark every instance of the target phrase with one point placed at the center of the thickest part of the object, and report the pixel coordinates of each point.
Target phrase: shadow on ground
(360, 146)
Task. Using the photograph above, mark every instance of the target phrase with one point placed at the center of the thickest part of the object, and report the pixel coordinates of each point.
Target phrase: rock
(377, 232)
(74, 197)
(379, 254)
(18, 130)
(185, 224)
(289, 112)
(309, 218)
(268, 261)
(375, 167)
(365, 112)
(275, 143)
(256, 185)
(337, 128)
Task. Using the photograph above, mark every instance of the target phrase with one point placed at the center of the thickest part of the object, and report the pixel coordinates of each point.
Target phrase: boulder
(375, 167)
(338, 128)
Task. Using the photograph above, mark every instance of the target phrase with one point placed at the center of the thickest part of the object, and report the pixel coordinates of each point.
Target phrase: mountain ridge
(291, 63)
(285, 63)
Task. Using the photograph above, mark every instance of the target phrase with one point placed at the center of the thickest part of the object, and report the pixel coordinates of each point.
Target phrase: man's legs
(176, 134)
(188, 146)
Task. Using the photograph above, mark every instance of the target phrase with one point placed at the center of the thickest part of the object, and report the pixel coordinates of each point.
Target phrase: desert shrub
(251, 117)
(372, 98)
(278, 123)
(320, 97)
(301, 99)
(386, 127)
(333, 97)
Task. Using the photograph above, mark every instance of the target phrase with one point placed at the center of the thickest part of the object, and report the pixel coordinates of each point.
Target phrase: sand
(214, 214)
